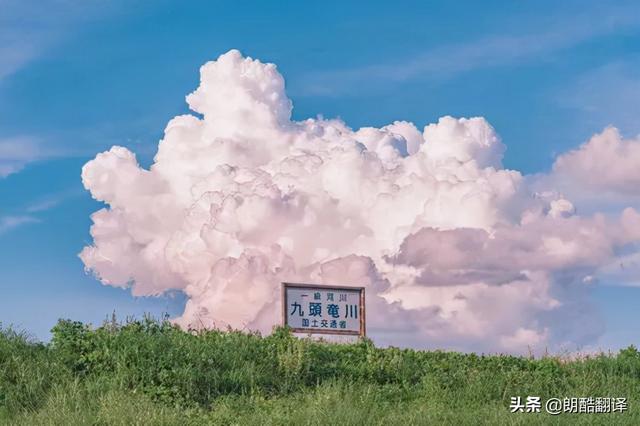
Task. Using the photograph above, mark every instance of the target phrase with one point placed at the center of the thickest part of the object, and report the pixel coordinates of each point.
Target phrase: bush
(209, 374)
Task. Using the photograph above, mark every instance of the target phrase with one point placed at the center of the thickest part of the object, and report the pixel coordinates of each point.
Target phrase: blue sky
(79, 77)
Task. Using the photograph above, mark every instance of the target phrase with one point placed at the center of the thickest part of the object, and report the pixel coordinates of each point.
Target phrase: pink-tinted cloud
(607, 163)
(454, 250)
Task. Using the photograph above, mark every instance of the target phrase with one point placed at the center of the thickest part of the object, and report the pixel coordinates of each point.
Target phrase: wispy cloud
(607, 95)
(29, 214)
(491, 51)
(28, 28)
(17, 152)
(52, 200)
(7, 223)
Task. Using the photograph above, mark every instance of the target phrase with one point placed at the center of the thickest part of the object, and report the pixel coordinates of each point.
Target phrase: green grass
(150, 372)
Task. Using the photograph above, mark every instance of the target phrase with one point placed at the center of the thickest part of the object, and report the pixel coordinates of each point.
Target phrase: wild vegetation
(151, 372)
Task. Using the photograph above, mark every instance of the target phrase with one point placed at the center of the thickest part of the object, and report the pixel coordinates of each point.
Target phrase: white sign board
(309, 308)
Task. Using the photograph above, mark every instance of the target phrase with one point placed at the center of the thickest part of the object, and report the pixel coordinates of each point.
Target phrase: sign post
(323, 309)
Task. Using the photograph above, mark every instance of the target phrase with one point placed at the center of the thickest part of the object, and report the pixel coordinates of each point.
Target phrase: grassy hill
(150, 372)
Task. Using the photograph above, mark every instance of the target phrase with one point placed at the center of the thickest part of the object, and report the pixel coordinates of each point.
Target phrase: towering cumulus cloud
(455, 251)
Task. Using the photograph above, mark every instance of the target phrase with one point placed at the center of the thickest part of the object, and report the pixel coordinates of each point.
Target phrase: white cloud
(600, 175)
(606, 163)
(454, 250)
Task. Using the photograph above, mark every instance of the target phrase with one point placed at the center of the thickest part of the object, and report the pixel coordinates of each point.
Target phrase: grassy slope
(152, 373)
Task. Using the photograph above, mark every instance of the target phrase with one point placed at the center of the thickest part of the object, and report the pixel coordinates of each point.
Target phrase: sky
(77, 78)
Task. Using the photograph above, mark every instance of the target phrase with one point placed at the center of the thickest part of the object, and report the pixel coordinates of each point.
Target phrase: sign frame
(361, 313)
